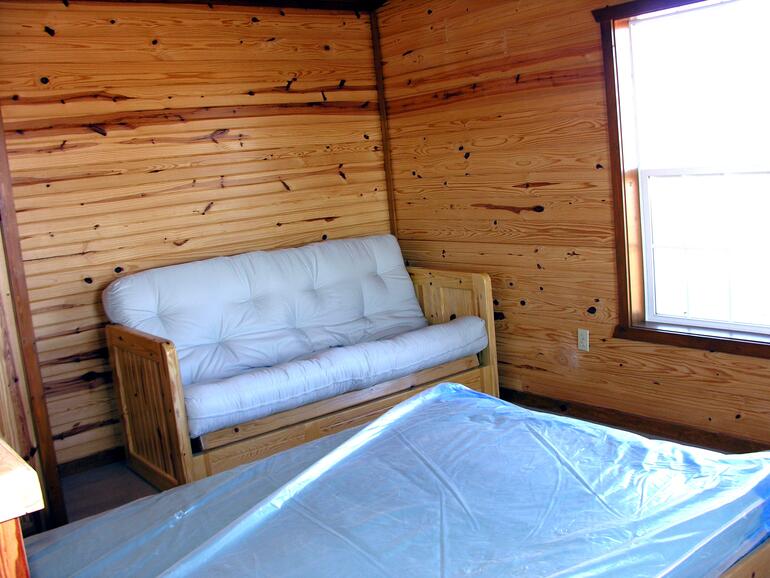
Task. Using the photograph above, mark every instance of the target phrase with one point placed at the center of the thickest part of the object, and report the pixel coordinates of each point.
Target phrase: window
(689, 111)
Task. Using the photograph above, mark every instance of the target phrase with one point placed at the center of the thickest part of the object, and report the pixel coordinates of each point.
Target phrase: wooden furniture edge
(13, 556)
(21, 494)
(155, 428)
(19, 485)
(440, 304)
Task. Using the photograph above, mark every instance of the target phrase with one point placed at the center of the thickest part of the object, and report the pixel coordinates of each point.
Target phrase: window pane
(751, 289)
(708, 246)
(708, 289)
(701, 92)
(671, 282)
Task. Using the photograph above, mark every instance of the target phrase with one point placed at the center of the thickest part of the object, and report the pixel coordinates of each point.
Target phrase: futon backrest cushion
(231, 314)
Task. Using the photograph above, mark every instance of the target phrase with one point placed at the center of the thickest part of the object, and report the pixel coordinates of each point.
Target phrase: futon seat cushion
(261, 392)
(229, 315)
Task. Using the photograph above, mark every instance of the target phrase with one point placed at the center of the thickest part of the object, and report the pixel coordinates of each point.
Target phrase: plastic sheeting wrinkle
(571, 469)
(370, 557)
(442, 478)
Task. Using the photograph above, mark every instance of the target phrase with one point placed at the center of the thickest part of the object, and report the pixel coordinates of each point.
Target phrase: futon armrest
(133, 339)
(151, 402)
(445, 295)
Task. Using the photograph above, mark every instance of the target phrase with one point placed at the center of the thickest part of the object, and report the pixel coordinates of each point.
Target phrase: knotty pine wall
(142, 135)
(500, 157)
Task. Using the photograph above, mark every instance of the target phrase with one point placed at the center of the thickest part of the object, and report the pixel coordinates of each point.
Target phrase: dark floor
(100, 489)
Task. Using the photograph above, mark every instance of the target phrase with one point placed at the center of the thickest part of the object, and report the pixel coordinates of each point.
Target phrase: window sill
(735, 342)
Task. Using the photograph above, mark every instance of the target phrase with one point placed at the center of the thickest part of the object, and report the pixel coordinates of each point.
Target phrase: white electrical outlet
(583, 341)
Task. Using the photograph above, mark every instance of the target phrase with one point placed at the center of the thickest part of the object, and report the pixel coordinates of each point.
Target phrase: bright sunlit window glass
(698, 96)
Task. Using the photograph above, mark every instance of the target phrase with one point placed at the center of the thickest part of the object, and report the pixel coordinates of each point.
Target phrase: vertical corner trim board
(142, 135)
(500, 162)
(16, 423)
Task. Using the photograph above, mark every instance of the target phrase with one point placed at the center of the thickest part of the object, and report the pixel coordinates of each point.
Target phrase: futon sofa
(226, 360)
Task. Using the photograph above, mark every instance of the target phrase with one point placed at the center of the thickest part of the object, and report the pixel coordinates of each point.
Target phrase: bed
(449, 483)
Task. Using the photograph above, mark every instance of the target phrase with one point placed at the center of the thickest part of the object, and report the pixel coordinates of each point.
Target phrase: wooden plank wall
(500, 158)
(142, 135)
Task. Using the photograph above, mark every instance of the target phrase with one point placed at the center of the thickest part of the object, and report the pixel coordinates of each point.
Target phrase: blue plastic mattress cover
(146, 536)
(448, 483)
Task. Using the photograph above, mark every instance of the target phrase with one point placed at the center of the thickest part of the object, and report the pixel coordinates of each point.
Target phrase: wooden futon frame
(151, 398)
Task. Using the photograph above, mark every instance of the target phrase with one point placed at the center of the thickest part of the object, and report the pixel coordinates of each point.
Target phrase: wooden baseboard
(96, 460)
(639, 424)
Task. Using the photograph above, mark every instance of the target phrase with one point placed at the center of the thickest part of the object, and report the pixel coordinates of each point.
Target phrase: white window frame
(648, 252)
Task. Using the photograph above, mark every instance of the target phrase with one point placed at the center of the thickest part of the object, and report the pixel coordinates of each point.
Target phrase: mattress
(144, 537)
(448, 483)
